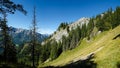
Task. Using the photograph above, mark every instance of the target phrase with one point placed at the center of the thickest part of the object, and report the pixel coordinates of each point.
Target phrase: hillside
(77, 44)
(58, 34)
(102, 51)
(63, 32)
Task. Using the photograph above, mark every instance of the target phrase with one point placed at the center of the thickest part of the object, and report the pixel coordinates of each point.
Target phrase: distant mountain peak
(79, 22)
(20, 35)
(57, 35)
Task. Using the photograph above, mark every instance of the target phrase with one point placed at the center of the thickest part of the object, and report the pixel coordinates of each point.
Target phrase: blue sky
(50, 13)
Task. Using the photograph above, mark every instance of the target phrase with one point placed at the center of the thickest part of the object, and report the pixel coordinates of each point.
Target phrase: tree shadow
(118, 65)
(87, 63)
(116, 36)
(14, 65)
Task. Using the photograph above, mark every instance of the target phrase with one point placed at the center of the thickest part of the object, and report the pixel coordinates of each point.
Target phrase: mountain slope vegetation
(105, 47)
(84, 42)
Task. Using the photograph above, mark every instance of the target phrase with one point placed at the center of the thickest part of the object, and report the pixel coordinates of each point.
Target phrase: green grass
(107, 57)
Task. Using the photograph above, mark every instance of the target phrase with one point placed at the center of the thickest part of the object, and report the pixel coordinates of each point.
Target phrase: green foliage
(116, 17)
(68, 29)
(83, 31)
(25, 54)
(64, 46)
(9, 54)
(9, 48)
(72, 40)
(109, 20)
(54, 49)
(45, 52)
(7, 6)
(51, 50)
(90, 27)
(62, 26)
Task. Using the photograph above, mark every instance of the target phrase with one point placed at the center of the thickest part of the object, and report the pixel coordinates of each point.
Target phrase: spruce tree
(34, 38)
(7, 6)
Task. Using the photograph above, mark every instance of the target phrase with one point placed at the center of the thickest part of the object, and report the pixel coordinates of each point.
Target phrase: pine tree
(90, 28)
(53, 53)
(34, 38)
(7, 6)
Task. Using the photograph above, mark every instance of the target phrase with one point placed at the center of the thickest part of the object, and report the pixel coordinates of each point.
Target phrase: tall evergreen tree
(7, 6)
(34, 38)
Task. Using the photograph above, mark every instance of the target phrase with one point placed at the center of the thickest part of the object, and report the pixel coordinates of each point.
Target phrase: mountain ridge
(72, 26)
(58, 34)
(20, 35)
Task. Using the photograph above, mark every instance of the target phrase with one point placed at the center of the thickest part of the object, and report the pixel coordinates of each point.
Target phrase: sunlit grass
(109, 56)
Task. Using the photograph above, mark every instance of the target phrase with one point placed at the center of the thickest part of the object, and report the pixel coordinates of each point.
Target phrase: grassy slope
(107, 51)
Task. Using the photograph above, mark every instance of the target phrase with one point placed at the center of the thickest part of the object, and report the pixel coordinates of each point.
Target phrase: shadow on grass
(87, 63)
(14, 66)
(118, 65)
